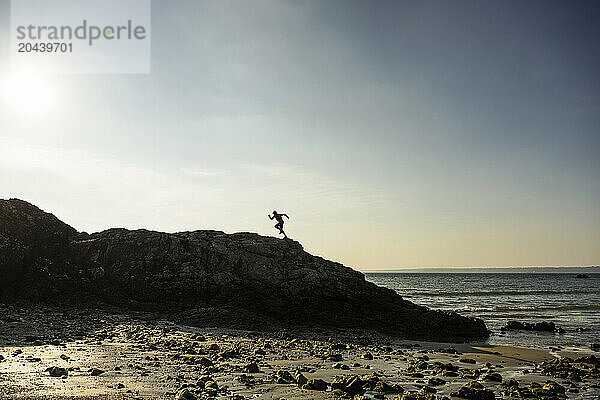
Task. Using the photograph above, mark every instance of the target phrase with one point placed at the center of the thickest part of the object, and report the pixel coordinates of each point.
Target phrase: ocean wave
(547, 308)
(496, 293)
(509, 315)
(568, 307)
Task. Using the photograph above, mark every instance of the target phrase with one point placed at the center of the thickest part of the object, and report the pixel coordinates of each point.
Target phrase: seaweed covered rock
(474, 391)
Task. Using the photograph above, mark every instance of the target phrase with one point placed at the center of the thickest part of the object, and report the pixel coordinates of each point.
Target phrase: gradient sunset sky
(394, 134)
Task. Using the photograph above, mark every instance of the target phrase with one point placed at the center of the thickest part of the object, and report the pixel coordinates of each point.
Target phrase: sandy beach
(97, 354)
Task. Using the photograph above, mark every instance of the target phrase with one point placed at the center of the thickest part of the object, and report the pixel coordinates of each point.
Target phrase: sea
(499, 296)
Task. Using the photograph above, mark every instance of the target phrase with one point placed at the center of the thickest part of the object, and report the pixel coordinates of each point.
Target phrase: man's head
(274, 212)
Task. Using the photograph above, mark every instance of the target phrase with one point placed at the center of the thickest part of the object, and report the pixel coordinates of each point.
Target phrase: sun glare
(29, 95)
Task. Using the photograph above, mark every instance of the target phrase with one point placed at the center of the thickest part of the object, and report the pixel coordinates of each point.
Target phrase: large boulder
(262, 277)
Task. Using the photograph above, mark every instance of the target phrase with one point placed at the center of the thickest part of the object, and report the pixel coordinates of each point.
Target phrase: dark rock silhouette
(543, 326)
(241, 279)
(32, 243)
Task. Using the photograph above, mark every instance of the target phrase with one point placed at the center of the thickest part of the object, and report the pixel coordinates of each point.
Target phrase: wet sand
(114, 355)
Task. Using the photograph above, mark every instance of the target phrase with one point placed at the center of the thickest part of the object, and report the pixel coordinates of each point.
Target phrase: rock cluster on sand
(208, 277)
(574, 370)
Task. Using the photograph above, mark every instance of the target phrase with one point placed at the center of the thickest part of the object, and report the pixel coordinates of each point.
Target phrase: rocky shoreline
(66, 353)
(123, 314)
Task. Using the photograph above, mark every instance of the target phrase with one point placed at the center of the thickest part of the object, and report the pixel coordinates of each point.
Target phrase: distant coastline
(490, 270)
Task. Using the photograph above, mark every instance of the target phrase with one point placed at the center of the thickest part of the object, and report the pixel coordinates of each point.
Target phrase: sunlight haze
(413, 134)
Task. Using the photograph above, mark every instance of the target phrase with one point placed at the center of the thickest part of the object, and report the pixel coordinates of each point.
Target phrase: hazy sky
(394, 134)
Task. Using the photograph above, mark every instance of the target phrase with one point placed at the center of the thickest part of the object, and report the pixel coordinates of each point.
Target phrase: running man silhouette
(279, 224)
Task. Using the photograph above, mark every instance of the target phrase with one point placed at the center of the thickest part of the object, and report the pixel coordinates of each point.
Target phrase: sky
(395, 134)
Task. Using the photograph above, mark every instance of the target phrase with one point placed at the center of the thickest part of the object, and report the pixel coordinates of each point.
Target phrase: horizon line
(515, 267)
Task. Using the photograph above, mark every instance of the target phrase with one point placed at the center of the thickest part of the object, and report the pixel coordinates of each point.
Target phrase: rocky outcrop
(544, 326)
(251, 277)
